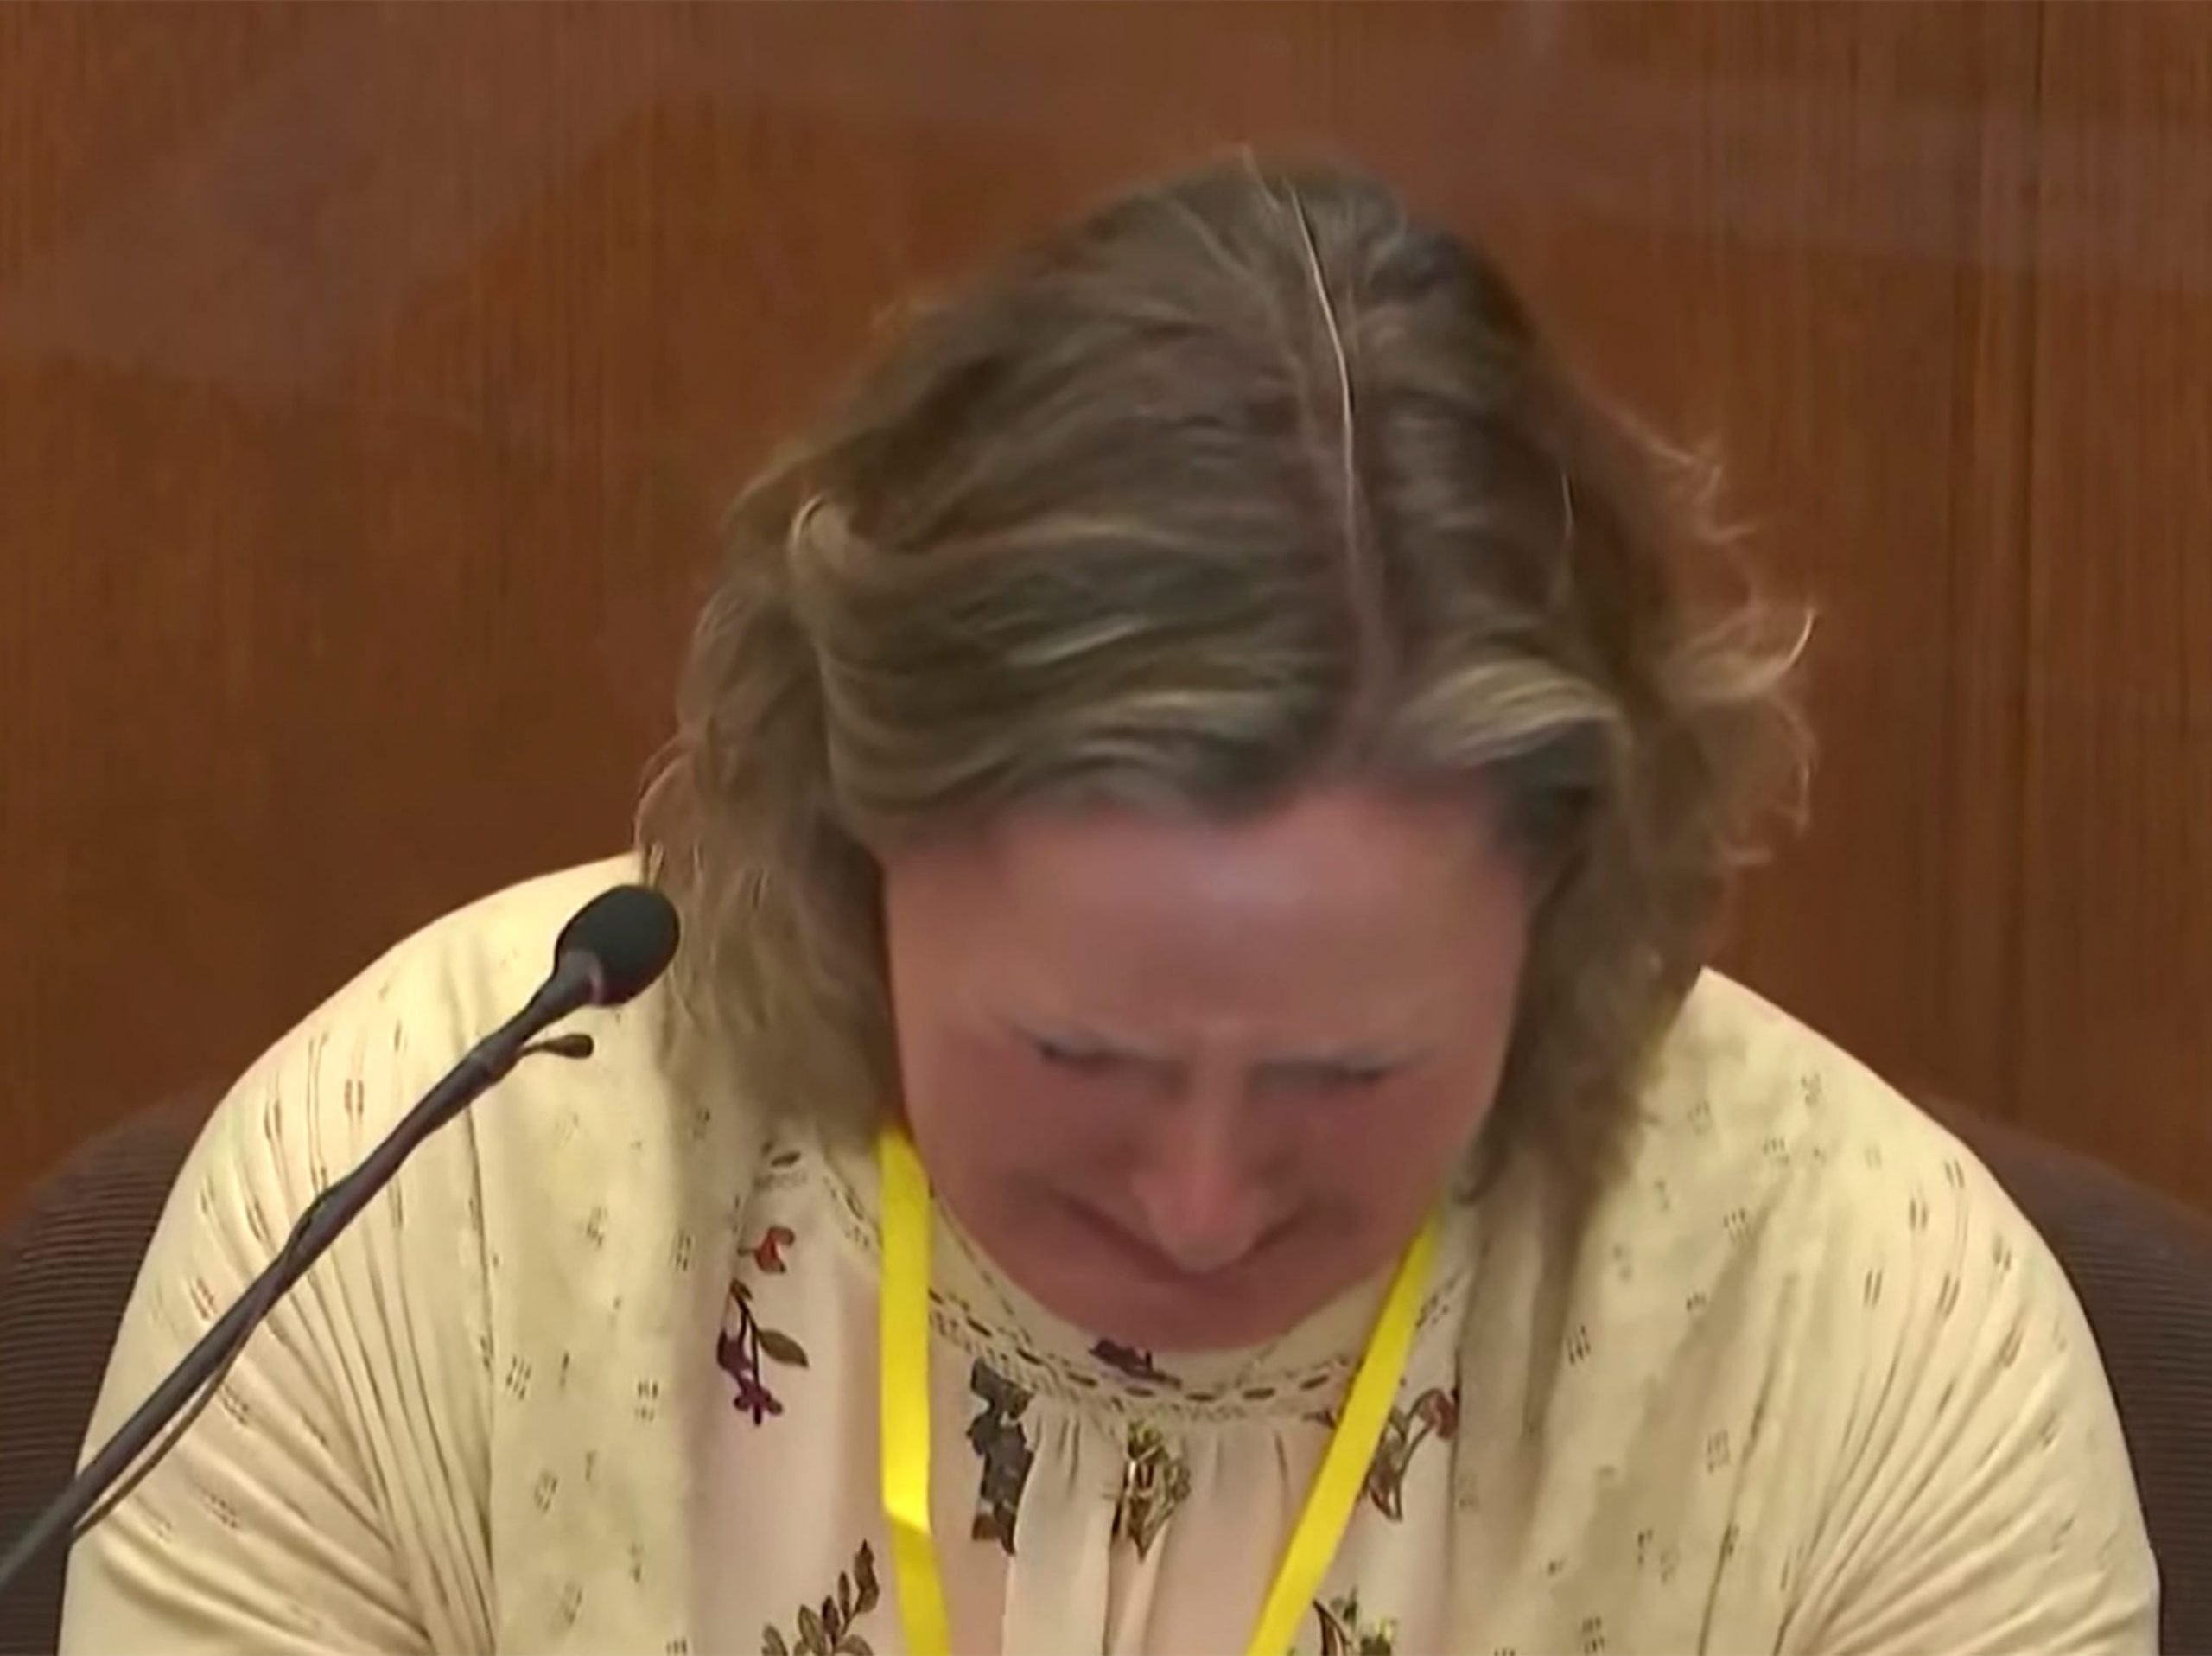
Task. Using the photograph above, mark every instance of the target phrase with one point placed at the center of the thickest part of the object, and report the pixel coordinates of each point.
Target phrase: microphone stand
(576, 982)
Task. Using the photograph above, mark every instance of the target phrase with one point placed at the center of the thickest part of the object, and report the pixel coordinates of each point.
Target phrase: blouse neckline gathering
(981, 1312)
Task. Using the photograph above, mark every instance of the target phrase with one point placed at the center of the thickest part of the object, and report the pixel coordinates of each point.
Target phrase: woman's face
(1185, 1083)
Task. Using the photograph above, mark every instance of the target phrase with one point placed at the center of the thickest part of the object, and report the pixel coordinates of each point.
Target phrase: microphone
(619, 941)
(610, 951)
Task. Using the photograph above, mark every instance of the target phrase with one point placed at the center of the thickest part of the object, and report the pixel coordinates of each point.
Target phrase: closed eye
(1333, 1075)
(1074, 1056)
(1359, 1074)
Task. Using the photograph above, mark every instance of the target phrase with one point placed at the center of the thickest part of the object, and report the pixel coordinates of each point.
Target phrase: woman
(1199, 810)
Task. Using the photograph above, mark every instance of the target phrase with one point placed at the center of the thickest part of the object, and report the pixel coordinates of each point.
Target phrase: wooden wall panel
(2115, 941)
(371, 377)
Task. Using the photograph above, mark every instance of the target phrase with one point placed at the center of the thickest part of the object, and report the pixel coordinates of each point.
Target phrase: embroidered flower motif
(1155, 1481)
(827, 1630)
(1434, 1413)
(1342, 1633)
(997, 1437)
(1136, 1364)
(768, 1252)
(743, 1350)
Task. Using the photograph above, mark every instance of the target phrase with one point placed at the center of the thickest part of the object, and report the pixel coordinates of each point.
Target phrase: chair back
(2142, 1266)
(67, 1266)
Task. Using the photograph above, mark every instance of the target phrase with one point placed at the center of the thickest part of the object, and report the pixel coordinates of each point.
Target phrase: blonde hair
(1243, 482)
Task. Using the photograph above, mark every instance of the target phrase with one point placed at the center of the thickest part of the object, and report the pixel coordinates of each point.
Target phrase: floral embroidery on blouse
(1136, 1364)
(1155, 1481)
(1344, 1633)
(829, 1630)
(999, 1440)
(743, 1350)
(1434, 1413)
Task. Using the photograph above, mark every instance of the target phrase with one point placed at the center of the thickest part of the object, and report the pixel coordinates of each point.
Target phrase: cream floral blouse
(599, 1374)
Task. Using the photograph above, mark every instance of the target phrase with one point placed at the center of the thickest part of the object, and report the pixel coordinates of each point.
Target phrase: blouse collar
(981, 1310)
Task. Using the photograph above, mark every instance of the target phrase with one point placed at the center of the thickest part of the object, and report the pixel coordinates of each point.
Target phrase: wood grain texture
(371, 377)
(2115, 943)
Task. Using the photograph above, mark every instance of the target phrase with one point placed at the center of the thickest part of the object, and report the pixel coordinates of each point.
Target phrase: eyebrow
(1089, 1042)
(1356, 1056)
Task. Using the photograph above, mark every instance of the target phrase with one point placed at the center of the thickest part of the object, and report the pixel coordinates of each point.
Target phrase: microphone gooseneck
(610, 952)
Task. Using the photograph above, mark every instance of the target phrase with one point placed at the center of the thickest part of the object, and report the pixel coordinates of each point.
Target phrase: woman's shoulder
(639, 1117)
(1921, 1359)
(1855, 1222)
(534, 1281)
(1766, 1159)
(474, 966)
(1821, 1358)
(430, 996)
(1744, 1094)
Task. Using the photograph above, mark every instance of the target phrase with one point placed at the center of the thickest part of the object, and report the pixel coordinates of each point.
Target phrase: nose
(1197, 1194)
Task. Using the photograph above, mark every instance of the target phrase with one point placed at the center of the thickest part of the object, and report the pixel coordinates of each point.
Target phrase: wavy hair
(1245, 482)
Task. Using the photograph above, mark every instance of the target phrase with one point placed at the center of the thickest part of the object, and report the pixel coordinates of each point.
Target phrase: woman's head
(1212, 722)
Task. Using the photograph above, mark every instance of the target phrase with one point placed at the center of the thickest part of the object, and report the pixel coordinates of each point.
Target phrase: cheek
(1392, 1148)
(993, 1109)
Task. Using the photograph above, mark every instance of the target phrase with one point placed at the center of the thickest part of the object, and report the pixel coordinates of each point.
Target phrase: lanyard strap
(904, 1401)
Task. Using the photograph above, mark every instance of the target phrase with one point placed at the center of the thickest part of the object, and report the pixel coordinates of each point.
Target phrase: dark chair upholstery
(66, 1268)
(2142, 1265)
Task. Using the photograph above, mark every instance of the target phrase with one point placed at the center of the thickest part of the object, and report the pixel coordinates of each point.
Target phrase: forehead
(1347, 852)
(1340, 898)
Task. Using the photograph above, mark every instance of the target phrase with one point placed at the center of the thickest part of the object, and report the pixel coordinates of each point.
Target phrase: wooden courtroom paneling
(2115, 939)
(371, 377)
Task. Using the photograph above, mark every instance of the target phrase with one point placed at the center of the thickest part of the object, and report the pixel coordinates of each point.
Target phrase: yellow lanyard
(906, 1420)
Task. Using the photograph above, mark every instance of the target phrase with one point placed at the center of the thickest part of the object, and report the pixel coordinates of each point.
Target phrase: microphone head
(629, 935)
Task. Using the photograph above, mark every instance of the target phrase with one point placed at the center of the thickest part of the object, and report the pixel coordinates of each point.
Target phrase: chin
(1200, 1317)
(1198, 1334)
